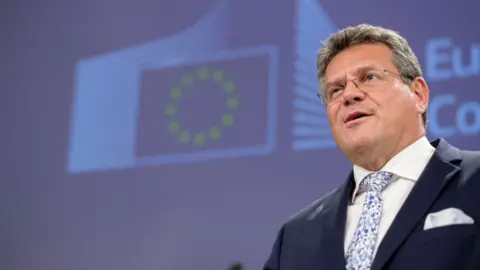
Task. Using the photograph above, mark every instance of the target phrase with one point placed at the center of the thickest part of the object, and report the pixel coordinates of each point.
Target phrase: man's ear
(419, 90)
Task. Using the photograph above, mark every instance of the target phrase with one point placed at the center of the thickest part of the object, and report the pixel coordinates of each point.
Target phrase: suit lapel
(435, 177)
(329, 225)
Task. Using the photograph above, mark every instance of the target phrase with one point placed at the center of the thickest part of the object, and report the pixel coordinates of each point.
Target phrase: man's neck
(375, 157)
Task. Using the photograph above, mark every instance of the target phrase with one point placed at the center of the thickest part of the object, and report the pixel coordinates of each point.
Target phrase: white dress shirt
(407, 166)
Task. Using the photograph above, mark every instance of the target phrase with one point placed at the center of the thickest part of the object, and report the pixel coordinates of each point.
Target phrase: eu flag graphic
(197, 111)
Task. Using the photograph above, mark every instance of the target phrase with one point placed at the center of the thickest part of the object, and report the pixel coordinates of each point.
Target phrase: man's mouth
(355, 116)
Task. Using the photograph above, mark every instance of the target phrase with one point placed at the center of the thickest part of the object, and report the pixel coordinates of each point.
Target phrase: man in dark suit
(408, 203)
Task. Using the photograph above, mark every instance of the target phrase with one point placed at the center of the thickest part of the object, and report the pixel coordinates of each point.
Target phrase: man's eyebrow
(365, 68)
(342, 78)
(336, 81)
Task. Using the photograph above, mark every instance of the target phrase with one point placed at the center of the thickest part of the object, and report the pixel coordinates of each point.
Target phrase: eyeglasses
(365, 81)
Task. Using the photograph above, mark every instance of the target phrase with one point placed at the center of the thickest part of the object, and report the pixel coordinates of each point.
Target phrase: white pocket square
(446, 217)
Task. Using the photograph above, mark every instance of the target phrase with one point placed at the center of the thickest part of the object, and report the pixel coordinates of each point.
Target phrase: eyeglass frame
(405, 79)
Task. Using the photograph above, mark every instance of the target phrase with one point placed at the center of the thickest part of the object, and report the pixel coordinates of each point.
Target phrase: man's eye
(334, 90)
(371, 76)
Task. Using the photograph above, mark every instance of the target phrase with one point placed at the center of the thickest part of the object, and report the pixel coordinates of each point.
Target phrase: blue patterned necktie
(360, 251)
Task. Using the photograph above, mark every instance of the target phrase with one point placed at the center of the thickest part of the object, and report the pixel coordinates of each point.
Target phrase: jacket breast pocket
(448, 234)
(447, 247)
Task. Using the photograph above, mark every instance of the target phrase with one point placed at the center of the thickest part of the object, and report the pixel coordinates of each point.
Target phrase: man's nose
(352, 94)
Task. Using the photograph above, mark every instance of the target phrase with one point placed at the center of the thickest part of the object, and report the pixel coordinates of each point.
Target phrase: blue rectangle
(234, 152)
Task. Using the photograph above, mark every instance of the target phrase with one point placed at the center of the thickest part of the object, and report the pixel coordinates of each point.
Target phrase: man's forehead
(353, 58)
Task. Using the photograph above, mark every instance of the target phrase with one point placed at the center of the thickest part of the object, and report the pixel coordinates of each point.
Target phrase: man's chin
(359, 141)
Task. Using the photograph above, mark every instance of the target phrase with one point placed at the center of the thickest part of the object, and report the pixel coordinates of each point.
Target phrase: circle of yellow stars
(215, 132)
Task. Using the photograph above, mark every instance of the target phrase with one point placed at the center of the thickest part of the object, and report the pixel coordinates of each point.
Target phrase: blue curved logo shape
(311, 128)
(103, 132)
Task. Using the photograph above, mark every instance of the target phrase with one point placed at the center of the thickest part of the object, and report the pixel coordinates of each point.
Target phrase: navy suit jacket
(313, 239)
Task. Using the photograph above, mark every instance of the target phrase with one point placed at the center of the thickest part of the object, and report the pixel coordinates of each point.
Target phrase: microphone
(236, 266)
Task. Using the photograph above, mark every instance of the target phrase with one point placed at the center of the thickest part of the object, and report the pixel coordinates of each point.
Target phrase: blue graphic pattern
(311, 128)
(361, 250)
(107, 89)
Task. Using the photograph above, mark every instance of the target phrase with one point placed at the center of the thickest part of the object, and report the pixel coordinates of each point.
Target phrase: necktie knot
(377, 181)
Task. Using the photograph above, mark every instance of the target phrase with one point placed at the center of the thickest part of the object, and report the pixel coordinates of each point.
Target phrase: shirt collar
(408, 163)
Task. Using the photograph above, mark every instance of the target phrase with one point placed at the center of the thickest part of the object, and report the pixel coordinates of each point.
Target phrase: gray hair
(404, 58)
